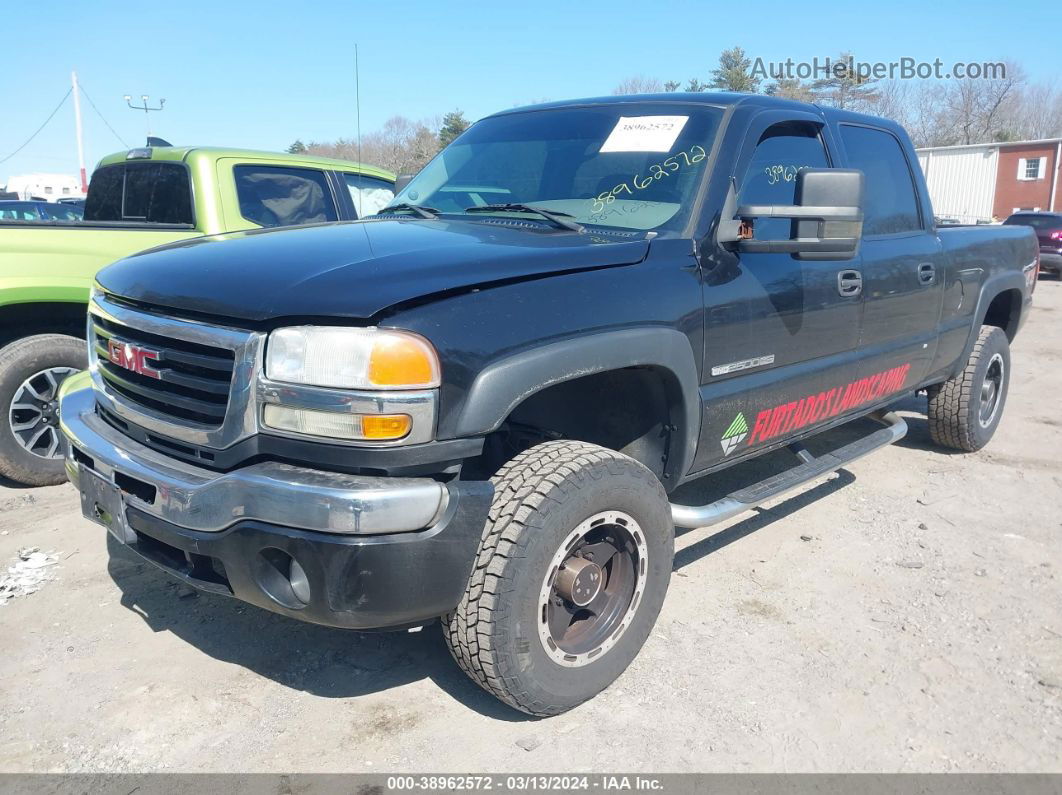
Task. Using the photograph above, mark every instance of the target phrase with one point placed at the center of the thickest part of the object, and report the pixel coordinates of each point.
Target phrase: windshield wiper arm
(555, 217)
(419, 210)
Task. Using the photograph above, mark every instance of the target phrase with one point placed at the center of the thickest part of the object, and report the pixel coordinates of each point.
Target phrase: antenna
(357, 106)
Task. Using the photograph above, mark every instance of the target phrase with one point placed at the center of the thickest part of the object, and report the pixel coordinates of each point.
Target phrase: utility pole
(144, 107)
(77, 124)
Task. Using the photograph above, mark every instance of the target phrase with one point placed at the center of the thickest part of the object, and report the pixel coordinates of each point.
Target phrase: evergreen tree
(844, 88)
(297, 148)
(453, 124)
(734, 72)
(789, 88)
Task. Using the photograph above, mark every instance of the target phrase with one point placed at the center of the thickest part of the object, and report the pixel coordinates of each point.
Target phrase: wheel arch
(1004, 311)
(26, 319)
(633, 355)
(999, 303)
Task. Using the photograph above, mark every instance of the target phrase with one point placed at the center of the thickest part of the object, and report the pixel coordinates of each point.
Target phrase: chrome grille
(193, 381)
(204, 393)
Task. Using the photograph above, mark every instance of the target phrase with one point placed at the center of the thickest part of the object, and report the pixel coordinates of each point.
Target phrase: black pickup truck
(473, 406)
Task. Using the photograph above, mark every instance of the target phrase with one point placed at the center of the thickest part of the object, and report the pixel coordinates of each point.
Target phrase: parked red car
(1048, 228)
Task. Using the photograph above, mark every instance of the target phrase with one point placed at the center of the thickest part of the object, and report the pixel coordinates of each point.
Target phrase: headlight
(351, 358)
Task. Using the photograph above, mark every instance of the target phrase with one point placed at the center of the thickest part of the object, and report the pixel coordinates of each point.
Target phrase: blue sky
(261, 74)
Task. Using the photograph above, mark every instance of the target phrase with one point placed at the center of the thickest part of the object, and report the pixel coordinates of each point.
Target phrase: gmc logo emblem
(133, 357)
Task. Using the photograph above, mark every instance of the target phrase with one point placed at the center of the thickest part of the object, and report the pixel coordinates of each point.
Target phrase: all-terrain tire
(540, 496)
(19, 361)
(959, 416)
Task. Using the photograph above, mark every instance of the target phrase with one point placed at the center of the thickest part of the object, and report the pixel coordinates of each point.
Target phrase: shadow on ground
(332, 663)
(336, 663)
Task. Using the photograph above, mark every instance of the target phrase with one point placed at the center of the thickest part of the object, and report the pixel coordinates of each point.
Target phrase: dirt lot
(903, 615)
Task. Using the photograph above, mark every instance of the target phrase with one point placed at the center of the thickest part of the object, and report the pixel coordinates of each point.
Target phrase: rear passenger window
(276, 196)
(889, 203)
(369, 194)
(783, 151)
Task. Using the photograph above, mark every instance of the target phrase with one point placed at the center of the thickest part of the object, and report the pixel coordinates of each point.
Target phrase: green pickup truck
(138, 200)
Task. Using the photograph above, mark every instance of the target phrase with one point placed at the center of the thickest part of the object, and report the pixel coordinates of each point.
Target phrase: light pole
(144, 107)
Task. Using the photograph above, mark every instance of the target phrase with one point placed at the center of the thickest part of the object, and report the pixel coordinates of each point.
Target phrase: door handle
(927, 274)
(849, 283)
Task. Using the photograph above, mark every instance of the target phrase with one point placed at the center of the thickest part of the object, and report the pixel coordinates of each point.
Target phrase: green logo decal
(733, 435)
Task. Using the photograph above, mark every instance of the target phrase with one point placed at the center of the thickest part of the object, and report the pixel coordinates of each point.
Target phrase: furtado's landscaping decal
(796, 414)
(733, 435)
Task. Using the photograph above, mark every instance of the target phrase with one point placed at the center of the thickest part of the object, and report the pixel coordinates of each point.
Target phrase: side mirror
(401, 181)
(828, 218)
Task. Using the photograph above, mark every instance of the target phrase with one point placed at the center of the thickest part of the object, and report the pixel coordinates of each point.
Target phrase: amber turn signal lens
(403, 361)
(338, 424)
(385, 426)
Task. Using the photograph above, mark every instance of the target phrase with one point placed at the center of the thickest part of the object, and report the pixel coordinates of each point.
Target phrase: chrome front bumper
(202, 500)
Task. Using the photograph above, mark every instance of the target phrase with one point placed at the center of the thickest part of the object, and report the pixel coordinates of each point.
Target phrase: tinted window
(18, 211)
(1036, 221)
(155, 193)
(889, 203)
(783, 151)
(63, 212)
(275, 196)
(370, 195)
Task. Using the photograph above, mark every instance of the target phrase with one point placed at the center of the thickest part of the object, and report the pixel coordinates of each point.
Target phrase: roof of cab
(179, 154)
(716, 98)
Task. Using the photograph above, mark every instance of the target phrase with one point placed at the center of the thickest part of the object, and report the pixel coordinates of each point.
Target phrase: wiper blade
(419, 210)
(555, 217)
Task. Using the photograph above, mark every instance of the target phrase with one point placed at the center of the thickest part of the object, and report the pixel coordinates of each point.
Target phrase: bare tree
(981, 110)
(893, 100)
(639, 85)
(925, 119)
(1038, 112)
(402, 146)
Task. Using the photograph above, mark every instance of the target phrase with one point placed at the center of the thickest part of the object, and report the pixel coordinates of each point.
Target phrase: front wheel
(572, 571)
(964, 411)
(31, 370)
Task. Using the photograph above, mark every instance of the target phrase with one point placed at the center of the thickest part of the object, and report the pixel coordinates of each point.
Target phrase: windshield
(628, 166)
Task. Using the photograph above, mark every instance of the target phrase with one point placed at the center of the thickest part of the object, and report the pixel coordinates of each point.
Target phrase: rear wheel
(31, 370)
(572, 571)
(964, 411)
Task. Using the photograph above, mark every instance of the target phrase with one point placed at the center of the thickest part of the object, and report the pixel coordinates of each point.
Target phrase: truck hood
(354, 269)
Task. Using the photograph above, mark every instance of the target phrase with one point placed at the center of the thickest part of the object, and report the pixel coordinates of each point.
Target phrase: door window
(783, 151)
(369, 194)
(890, 204)
(277, 196)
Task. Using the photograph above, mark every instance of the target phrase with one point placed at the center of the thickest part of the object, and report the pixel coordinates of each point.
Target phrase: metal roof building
(982, 183)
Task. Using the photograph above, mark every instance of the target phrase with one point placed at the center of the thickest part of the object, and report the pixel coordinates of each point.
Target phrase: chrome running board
(812, 467)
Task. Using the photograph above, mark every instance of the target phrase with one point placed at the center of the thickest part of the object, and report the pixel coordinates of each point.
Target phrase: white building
(46, 186)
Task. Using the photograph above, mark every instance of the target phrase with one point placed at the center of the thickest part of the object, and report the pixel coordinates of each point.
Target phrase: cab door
(777, 328)
(903, 268)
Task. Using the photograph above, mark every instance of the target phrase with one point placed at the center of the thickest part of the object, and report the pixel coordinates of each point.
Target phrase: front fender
(34, 290)
(504, 384)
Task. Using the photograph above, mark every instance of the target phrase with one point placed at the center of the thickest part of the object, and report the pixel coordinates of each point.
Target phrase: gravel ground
(902, 615)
